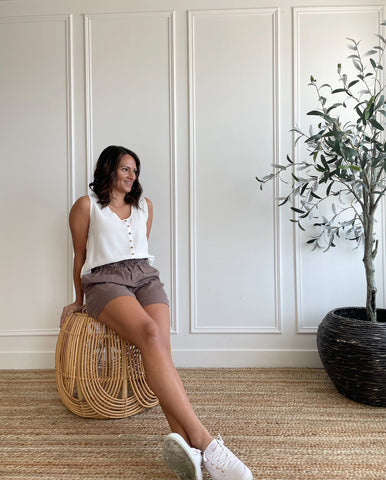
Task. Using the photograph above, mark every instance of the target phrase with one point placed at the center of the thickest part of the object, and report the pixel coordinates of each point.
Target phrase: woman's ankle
(201, 442)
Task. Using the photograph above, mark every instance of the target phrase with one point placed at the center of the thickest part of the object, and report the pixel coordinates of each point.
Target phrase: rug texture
(286, 424)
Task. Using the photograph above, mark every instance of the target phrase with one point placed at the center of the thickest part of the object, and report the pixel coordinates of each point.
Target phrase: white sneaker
(222, 464)
(184, 460)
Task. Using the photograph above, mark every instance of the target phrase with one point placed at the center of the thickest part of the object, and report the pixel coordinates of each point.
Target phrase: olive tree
(345, 162)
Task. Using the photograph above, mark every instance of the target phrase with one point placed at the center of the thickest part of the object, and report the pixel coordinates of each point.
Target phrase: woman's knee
(150, 335)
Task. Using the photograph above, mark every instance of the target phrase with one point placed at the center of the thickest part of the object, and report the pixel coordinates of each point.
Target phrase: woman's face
(126, 174)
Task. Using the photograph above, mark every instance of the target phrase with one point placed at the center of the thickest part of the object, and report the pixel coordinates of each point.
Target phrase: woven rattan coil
(98, 373)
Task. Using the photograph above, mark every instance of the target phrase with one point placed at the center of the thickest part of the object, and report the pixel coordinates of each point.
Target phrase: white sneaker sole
(178, 458)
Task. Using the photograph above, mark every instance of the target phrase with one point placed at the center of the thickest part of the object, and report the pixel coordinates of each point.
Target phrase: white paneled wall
(205, 91)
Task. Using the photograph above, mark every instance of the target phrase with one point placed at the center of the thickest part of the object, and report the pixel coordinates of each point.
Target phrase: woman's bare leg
(148, 328)
(160, 314)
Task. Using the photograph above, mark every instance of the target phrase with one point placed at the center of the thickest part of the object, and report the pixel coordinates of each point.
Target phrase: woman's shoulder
(83, 201)
(148, 205)
(82, 205)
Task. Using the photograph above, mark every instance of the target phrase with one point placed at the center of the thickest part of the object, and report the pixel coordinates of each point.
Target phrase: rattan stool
(99, 374)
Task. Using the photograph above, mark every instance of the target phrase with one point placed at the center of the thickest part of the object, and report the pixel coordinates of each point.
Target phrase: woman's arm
(150, 217)
(79, 223)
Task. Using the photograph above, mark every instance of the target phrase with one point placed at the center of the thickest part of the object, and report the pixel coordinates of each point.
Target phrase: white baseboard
(246, 358)
(27, 360)
(188, 359)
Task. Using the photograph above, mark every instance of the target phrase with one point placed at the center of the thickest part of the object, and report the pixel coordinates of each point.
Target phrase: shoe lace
(221, 457)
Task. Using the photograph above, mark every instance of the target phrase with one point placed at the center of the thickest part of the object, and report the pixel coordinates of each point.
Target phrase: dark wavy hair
(106, 172)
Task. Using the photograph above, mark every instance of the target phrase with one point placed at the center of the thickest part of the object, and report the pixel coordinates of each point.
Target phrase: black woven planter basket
(353, 353)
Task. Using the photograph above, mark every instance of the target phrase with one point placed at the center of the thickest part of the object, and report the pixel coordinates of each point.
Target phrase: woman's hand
(73, 307)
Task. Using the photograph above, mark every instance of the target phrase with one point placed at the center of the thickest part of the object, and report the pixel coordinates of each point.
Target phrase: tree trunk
(370, 251)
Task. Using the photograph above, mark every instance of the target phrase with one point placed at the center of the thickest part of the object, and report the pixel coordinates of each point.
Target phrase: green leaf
(359, 113)
(375, 124)
(283, 202)
(315, 112)
(357, 65)
(329, 188)
(351, 84)
(336, 104)
(303, 189)
(315, 196)
(297, 210)
(314, 138)
(324, 161)
(381, 101)
(339, 90)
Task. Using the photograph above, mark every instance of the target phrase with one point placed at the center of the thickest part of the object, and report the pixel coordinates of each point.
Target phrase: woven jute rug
(286, 424)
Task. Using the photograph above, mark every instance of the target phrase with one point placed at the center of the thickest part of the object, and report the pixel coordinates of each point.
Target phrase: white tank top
(111, 239)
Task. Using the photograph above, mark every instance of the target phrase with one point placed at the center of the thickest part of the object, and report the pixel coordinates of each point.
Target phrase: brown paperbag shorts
(135, 278)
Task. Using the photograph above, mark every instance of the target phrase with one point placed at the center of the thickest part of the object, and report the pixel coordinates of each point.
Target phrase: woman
(110, 229)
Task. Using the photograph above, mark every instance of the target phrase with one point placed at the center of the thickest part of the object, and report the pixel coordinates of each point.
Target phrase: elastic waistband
(123, 263)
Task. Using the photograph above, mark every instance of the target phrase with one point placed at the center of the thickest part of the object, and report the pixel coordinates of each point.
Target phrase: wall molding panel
(90, 20)
(66, 20)
(369, 18)
(271, 17)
